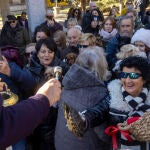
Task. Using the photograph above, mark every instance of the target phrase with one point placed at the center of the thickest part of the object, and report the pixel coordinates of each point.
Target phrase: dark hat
(11, 17)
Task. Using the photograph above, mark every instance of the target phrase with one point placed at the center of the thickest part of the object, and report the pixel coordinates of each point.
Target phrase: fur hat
(142, 35)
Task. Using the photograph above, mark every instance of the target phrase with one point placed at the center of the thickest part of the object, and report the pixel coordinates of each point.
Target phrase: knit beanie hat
(142, 35)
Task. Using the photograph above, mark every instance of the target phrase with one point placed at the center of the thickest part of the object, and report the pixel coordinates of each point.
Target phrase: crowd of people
(105, 77)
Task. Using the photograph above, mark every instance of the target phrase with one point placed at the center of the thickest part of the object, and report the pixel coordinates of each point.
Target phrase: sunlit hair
(88, 37)
(129, 50)
(61, 37)
(93, 59)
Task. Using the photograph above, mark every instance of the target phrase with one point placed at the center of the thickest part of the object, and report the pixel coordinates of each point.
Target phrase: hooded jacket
(82, 89)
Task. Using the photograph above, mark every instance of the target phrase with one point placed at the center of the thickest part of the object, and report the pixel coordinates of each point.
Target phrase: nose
(128, 79)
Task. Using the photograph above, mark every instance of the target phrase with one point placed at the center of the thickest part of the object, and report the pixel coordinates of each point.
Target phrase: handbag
(139, 128)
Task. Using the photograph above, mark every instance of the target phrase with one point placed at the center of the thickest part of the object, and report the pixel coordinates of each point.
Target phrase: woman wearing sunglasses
(129, 97)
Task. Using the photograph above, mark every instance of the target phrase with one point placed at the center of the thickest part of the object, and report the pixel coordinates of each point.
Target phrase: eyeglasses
(13, 21)
(82, 46)
(131, 75)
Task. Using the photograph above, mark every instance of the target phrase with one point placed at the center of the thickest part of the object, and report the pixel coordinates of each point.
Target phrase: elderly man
(73, 36)
(126, 27)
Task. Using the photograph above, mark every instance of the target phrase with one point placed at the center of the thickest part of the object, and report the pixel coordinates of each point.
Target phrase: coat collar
(116, 98)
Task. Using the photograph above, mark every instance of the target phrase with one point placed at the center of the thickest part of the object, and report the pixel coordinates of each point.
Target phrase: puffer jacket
(82, 90)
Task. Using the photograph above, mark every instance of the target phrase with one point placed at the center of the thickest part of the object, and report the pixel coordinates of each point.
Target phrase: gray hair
(93, 59)
(125, 18)
(74, 20)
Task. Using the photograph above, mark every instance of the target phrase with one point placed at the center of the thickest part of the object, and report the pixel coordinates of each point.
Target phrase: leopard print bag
(139, 129)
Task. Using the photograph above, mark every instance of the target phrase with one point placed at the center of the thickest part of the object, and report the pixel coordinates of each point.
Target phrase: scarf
(136, 104)
(107, 35)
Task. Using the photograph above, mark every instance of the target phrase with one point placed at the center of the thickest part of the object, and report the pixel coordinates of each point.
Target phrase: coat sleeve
(111, 50)
(98, 114)
(22, 76)
(18, 121)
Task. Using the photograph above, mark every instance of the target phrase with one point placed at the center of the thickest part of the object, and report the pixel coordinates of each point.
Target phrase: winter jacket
(30, 79)
(119, 110)
(17, 36)
(57, 26)
(82, 90)
(113, 47)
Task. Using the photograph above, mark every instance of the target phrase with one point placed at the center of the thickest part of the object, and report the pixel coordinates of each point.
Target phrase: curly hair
(140, 64)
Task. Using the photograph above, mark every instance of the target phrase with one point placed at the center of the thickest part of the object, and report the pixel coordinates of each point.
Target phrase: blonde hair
(88, 37)
(129, 50)
(93, 59)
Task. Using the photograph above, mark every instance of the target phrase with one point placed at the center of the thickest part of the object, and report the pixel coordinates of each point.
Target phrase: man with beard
(126, 26)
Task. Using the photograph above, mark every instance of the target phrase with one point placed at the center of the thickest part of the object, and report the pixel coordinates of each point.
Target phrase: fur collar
(116, 100)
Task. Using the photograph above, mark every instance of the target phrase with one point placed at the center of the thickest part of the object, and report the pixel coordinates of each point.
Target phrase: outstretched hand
(52, 90)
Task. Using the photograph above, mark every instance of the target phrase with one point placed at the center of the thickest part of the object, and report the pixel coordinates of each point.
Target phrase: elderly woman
(141, 39)
(30, 79)
(80, 93)
(129, 97)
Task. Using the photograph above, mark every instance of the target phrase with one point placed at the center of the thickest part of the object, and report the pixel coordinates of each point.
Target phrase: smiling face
(45, 56)
(132, 86)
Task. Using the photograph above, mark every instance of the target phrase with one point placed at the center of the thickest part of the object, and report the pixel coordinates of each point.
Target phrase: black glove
(75, 122)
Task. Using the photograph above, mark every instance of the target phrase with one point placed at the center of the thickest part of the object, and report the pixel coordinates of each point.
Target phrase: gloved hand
(75, 122)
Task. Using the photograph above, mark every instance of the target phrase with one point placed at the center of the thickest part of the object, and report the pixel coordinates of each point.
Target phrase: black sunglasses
(13, 21)
(82, 46)
(28, 54)
(131, 75)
